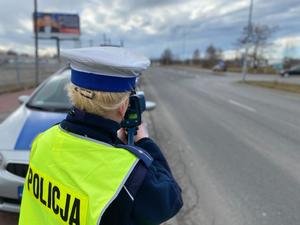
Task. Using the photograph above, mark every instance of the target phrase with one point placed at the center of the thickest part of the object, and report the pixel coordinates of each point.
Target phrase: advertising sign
(58, 25)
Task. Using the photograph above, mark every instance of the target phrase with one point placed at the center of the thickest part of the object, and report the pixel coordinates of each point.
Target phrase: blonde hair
(96, 102)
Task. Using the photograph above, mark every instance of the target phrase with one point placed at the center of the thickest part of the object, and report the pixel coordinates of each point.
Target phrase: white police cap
(109, 69)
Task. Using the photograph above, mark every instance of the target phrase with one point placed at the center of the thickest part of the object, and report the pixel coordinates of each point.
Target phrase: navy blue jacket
(152, 195)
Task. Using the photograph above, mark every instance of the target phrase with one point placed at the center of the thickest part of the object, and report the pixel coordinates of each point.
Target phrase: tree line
(212, 56)
(256, 37)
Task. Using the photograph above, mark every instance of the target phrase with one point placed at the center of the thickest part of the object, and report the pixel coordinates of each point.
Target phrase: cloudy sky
(150, 26)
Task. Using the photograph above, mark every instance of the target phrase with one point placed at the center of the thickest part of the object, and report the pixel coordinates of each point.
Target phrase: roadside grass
(184, 67)
(218, 73)
(274, 85)
(263, 70)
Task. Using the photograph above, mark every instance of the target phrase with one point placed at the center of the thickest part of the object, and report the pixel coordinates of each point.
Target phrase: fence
(16, 75)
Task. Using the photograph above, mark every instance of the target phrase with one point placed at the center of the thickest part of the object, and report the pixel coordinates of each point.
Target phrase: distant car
(295, 70)
(47, 106)
(220, 67)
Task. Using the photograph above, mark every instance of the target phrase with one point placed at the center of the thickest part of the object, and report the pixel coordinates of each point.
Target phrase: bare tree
(289, 62)
(212, 55)
(11, 53)
(196, 57)
(219, 54)
(166, 57)
(289, 53)
(258, 39)
(210, 52)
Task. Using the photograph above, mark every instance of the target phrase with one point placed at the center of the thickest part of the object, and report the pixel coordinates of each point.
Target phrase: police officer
(81, 171)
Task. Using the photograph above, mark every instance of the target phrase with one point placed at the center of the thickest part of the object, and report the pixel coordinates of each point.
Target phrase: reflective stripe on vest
(72, 180)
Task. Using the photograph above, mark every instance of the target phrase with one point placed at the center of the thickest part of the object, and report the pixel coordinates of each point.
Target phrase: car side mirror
(23, 98)
(150, 105)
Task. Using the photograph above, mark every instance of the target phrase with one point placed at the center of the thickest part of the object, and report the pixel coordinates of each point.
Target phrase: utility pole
(184, 45)
(104, 39)
(36, 37)
(58, 48)
(245, 66)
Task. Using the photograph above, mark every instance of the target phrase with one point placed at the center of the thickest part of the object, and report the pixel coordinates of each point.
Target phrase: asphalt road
(234, 148)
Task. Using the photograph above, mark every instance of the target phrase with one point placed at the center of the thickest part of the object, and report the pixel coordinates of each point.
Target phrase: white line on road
(293, 125)
(242, 105)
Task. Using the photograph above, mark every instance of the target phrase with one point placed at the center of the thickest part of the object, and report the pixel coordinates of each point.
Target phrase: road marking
(293, 125)
(242, 105)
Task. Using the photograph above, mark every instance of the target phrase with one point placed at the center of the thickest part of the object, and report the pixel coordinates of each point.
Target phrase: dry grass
(275, 85)
(265, 70)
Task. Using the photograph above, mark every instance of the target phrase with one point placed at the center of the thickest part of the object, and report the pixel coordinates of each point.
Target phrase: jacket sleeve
(159, 197)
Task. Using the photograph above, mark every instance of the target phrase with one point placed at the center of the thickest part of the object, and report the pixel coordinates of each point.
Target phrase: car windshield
(52, 96)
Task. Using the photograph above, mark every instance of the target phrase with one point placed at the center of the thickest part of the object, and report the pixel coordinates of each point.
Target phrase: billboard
(58, 25)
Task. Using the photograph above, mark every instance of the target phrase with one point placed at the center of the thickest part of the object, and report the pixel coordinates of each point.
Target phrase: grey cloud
(146, 4)
(209, 27)
(71, 6)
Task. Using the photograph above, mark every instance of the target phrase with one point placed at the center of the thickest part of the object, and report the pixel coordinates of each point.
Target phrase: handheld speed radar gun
(133, 115)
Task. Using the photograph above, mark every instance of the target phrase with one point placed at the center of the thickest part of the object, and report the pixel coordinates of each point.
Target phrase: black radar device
(133, 115)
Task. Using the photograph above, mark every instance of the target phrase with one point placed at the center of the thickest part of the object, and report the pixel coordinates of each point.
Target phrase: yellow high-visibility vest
(72, 180)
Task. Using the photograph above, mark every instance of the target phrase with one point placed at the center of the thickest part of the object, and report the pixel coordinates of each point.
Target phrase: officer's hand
(142, 132)
(122, 135)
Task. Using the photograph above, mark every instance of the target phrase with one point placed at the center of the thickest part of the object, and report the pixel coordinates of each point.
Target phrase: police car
(47, 106)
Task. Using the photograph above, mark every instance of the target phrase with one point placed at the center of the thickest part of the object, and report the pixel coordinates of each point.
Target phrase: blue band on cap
(102, 82)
